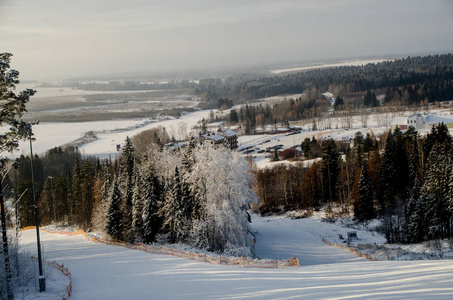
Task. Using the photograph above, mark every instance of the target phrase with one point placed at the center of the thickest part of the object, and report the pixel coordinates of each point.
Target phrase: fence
(65, 272)
(201, 257)
(364, 255)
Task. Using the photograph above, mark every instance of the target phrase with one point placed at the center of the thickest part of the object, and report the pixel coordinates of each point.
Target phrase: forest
(403, 83)
(428, 76)
(200, 195)
(404, 179)
(197, 196)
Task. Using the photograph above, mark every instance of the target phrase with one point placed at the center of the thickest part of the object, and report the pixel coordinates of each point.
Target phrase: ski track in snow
(110, 272)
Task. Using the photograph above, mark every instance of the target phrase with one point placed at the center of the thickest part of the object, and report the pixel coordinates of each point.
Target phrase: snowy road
(109, 272)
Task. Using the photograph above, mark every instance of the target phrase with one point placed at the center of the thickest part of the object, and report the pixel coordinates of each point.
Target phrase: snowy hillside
(110, 272)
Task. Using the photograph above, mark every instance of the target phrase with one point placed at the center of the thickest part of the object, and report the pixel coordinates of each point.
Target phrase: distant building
(222, 136)
(400, 122)
(422, 121)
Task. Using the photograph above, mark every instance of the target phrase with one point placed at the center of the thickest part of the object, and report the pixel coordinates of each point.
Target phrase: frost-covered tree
(172, 210)
(126, 183)
(434, 193)
(222, 185)
(102, 189)
(114, 226)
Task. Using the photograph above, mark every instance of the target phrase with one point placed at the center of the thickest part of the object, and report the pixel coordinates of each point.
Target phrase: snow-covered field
(110, 272)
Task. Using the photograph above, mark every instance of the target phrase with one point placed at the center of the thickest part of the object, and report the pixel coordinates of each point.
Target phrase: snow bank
(200, 257)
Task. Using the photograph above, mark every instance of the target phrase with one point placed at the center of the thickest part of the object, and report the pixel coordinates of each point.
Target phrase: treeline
(253, 117)
(197, 196)
(404, 179)
(429, 76)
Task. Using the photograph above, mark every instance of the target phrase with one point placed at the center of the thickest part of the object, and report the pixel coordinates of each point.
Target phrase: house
(431, 120)
(222, 136)
(417, 121)
(400, 122)
(422, 121)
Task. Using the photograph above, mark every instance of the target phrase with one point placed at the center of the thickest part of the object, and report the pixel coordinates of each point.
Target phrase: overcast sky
(54, 39)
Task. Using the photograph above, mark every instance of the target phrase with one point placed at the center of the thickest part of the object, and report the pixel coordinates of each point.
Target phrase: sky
(60, 39)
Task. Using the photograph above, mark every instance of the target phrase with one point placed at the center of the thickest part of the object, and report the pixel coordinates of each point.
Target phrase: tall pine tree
(114, 226)
(364, 206)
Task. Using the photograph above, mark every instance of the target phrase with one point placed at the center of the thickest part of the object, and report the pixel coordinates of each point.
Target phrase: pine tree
(87, 197)
(172, 210)
(414, 162)
(368, 144)
(114, 226)
(415, 213)
(151, 221)
(364, 206)
(330, 170)
(76, 193)
(137, 210)
(126, 179)
(434, 193)
(12, 107)
(388, 174)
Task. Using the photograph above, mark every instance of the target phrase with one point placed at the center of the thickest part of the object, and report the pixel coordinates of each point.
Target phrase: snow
(108, 133)
(110, 272)
(106, 142)
(340, 64)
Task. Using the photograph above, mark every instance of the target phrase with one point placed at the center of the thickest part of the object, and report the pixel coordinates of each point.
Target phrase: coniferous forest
(404, 179)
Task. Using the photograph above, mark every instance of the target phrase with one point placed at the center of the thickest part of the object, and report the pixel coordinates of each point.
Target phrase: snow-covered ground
(108, 133)
(322, 66)
(110, 272)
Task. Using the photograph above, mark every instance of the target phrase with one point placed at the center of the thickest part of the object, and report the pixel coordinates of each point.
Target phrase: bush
(288, 153)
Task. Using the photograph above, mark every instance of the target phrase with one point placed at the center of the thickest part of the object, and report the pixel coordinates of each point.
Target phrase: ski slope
(110, 272)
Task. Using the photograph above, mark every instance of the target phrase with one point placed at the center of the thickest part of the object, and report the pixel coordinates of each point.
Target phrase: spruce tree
(364, 206)
(172, 211)
(434, 193)
(114, 226)
(414, 215)
(151, 220)
(388, 174)
(137, 210)
(330, 170)
(76, 192)
(368, 144)
(414, 162)
(87, 196)
(126, 175)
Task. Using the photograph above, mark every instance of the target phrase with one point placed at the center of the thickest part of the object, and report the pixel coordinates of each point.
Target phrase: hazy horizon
(54, 40)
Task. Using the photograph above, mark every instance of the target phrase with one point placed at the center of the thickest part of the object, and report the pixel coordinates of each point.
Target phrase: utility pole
(9, 290)
(53, 200)
(42, 279)
(16, 166)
